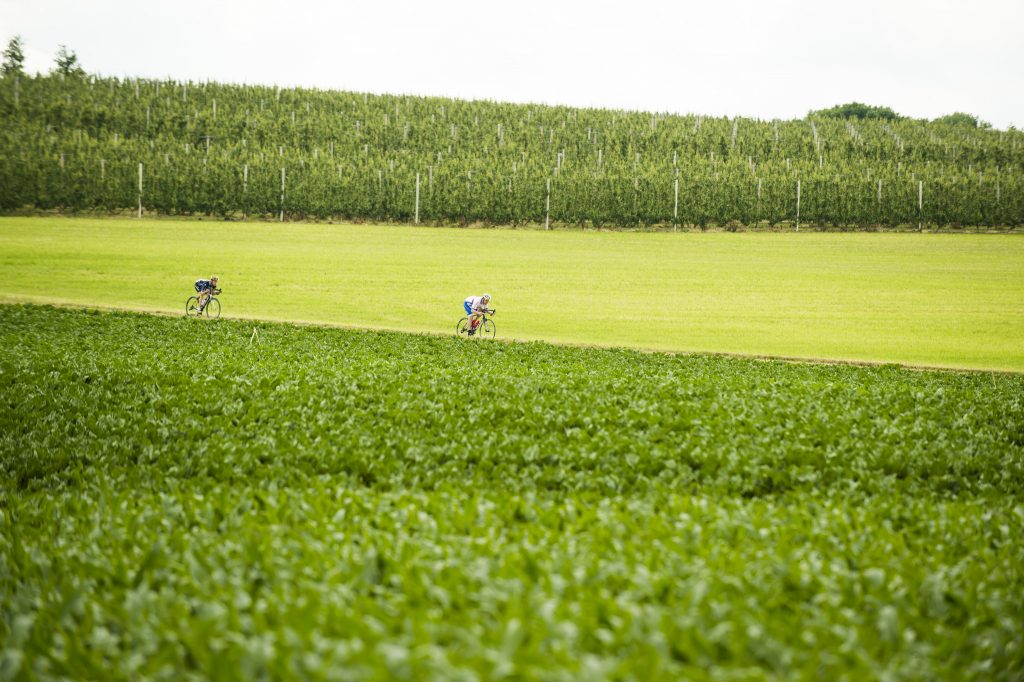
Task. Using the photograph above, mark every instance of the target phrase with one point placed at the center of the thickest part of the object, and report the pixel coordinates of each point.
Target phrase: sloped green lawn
(951, 300)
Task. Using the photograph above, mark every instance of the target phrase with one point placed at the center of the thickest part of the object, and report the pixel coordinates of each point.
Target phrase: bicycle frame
(198, 309)
(209, 294)
(465, 324)
(481, 317)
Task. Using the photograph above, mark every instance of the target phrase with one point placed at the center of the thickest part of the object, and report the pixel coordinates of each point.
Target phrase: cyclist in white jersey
(475, 306)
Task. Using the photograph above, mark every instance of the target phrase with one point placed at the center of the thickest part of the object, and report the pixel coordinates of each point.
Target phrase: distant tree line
(66, 61)
(857, 110)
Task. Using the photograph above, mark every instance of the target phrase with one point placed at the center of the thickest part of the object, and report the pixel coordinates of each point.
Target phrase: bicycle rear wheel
(487, 329)
(462, 326)
(212, 308)
(192, 307)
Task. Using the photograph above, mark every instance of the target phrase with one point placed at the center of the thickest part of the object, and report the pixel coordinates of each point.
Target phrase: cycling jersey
(473, 305)
(204, 285)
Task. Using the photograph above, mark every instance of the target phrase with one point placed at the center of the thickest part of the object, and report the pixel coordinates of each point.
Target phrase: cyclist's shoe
(470, 332)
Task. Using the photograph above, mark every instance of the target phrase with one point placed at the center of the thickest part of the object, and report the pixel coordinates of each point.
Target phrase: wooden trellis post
(675, 205)
(797, 205)
(758, 211)
(547, 208)
(920, 203)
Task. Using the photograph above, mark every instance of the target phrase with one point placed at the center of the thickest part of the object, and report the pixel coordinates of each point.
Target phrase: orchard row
(85, 143)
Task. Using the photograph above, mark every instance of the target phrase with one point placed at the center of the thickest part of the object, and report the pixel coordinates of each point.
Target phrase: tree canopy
(14, 57)
(859, 111)
(959, 118)
(66, 62)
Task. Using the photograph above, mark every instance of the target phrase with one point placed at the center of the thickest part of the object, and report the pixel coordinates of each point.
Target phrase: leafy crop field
(221, 149)
(178, 502)
(946, 300)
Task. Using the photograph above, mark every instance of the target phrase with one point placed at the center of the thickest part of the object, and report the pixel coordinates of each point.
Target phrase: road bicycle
(211, 308)
(484, 329)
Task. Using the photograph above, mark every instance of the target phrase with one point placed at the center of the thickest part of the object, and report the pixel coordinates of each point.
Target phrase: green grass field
(367, 505)
(943, 300)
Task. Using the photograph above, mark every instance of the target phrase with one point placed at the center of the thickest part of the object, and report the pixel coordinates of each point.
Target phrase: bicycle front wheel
(212, 308)
(192, 307)
(462, 326)
(487, 329)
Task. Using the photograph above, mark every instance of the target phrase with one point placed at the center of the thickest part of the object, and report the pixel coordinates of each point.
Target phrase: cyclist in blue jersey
(206, 288)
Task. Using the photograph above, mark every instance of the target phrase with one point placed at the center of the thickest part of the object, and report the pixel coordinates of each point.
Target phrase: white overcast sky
(756, 58)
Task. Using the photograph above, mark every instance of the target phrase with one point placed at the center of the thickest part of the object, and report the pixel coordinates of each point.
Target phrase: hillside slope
(240, 149)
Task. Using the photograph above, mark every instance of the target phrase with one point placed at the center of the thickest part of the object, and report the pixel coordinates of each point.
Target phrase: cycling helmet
(214, 278)
(487, 296)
